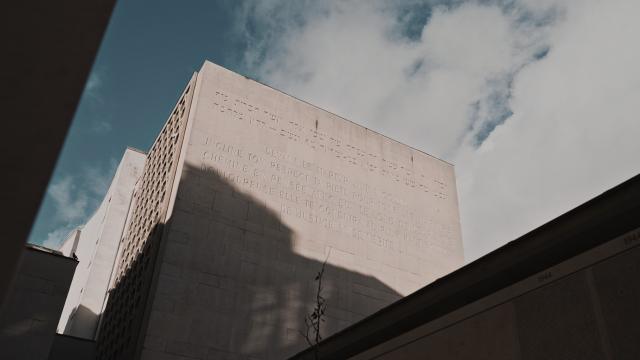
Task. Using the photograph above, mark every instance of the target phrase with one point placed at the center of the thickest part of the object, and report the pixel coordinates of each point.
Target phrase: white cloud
(534, 101)
(573, 133)
(93, 86)
(56, 237)
(74, 198)
(101, 126)
(71, 204)
(98, 178)
(101, 122)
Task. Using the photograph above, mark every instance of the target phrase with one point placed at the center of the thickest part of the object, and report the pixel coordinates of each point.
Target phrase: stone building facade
(244, 195)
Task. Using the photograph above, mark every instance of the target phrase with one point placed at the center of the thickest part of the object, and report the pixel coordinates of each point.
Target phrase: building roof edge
(593, 223)
(332, 113)
(40, 248)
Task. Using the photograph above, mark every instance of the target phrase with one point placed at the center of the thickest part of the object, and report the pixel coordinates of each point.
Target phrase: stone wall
(270, 187)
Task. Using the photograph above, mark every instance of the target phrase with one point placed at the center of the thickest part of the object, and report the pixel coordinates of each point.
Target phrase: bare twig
(314, 320)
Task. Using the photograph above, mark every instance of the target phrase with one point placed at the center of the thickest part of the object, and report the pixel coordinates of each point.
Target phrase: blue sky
(148, 54)
(534, 101)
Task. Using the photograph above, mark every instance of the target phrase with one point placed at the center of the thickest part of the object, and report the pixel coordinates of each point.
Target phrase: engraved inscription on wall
(326, 197)
(316, 140)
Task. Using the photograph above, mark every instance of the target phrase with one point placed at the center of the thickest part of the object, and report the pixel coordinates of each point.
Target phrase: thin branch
(313, 321)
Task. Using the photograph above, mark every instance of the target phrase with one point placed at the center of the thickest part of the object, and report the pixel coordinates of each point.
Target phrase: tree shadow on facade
(221, 280)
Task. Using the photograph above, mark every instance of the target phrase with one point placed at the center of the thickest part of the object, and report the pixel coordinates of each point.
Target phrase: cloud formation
(533, 101)
(56, 237)
(74, 198)
(101, 121)
(70, 203)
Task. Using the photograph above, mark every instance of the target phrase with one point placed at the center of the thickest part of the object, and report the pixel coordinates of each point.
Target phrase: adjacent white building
(96, 245)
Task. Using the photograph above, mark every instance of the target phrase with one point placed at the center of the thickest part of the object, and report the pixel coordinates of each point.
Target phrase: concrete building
(96, 245)
(34, 303)
(244, 194)
(209, 247)
(567, 290)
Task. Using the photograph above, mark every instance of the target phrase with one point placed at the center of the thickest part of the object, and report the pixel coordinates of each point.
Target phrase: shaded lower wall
(230, 285)
(34, 303)
(587, 307)
(66, 347)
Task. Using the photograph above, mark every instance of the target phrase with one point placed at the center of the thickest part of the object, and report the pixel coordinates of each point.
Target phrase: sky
(533, 101)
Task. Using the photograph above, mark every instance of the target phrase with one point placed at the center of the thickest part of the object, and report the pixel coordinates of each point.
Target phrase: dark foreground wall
(48, 48)
(34, 303)
(567, 290)
(67, 347)
(566, 312)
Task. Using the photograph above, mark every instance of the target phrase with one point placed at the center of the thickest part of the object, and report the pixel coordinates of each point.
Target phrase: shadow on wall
(82, 321)
(227, 283)
(127, 303)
